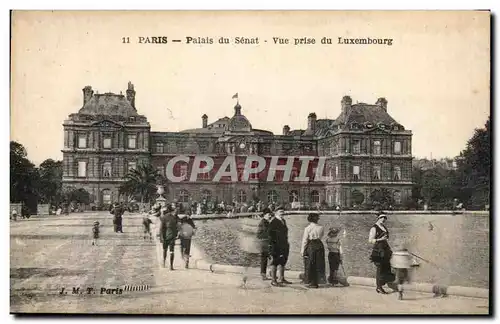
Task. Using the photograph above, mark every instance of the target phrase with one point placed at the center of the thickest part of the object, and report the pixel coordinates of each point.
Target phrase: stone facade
(366, 150)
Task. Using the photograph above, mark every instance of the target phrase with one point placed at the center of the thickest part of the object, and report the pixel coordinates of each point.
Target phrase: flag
(235, 96)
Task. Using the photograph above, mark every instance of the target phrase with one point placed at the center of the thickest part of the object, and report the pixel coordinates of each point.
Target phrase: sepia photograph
(250, 162)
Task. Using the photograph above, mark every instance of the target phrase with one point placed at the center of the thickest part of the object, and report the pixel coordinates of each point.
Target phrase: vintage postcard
(250, 162)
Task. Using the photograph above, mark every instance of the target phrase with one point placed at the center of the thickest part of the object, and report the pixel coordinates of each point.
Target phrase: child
(146, 222)
(334, 255)
(402, 262)
(95, 232)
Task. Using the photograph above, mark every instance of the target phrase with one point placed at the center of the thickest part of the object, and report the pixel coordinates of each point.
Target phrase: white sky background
(435, 76)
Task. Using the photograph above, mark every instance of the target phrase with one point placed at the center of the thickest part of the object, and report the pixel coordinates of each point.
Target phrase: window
(376, 147)
(355, 172)
(82, 140)
(242, 196)
(106, 169)
(206, 195)
(106, 196)
(293, 196)
(397, 173)
(131, 165)
(132, 141)
(159, 147)
(255, 176)
(356, 147)
(397, 197)
(184, 196)
(376, 172)
(336, 171)
(206, 175)
(106, 142)
(314, 196)
(82, 168)
(397, 147)
(184, 171)
(272, 196)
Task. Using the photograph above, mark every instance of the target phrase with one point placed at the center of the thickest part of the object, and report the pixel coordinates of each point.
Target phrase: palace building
(366, 150)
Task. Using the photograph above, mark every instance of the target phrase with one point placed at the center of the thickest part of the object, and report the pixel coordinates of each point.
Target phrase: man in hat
(263, 236)
(186, 233)
(279, 247)
(168, 233)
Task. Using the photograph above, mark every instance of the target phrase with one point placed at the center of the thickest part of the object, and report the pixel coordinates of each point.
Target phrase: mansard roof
(361, 113)
(109, 104)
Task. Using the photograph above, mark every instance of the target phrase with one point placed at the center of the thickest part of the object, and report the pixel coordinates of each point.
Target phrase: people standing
(313, 251)
(381, 253)
(168, 233)
(279, 248)
(186, 233)
(263, 236)
(117, 211)
(95, 233)
(146, 223)
(335, 255)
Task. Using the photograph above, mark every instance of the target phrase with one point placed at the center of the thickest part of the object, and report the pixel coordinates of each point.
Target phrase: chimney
(311, 122)
(286, 130)
(204, 121)
(382, 103)
(87, 94)
(131, 94)
(346, 105)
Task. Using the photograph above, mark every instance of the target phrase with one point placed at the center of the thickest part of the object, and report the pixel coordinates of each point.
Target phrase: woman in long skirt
(313, 251)
(381, 253)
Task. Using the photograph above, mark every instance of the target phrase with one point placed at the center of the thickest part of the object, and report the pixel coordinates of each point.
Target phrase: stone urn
(160, 200)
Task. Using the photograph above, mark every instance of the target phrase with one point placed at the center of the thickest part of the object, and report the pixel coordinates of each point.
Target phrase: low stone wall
(346, 212)
(199, 263)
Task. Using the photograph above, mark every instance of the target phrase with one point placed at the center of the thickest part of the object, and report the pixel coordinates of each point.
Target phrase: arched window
(206, 194)
(106, 196)
(242, 196)
(184, 196)
(293, 196)
(272, 196)
(314, 196)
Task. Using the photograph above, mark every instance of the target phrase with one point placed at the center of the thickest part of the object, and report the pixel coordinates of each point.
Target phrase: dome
(239, 123)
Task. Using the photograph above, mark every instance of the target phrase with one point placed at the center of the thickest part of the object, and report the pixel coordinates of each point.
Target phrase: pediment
(107, 124)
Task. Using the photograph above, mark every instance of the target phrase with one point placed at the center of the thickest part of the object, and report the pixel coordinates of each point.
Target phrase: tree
(50, 172)
(474, 169)
(74, 195)
(381, 198)
(357, 197)
(141, 182)
(24, 178)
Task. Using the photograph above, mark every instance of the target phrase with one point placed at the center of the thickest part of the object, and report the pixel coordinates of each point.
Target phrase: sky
(435, 76)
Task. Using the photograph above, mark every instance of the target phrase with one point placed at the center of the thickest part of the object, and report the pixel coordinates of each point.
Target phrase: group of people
(273, 236)
(172, 227)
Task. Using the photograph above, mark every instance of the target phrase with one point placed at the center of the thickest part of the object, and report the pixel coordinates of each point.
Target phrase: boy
(146, 222)
(95, 232)
(334, 256)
